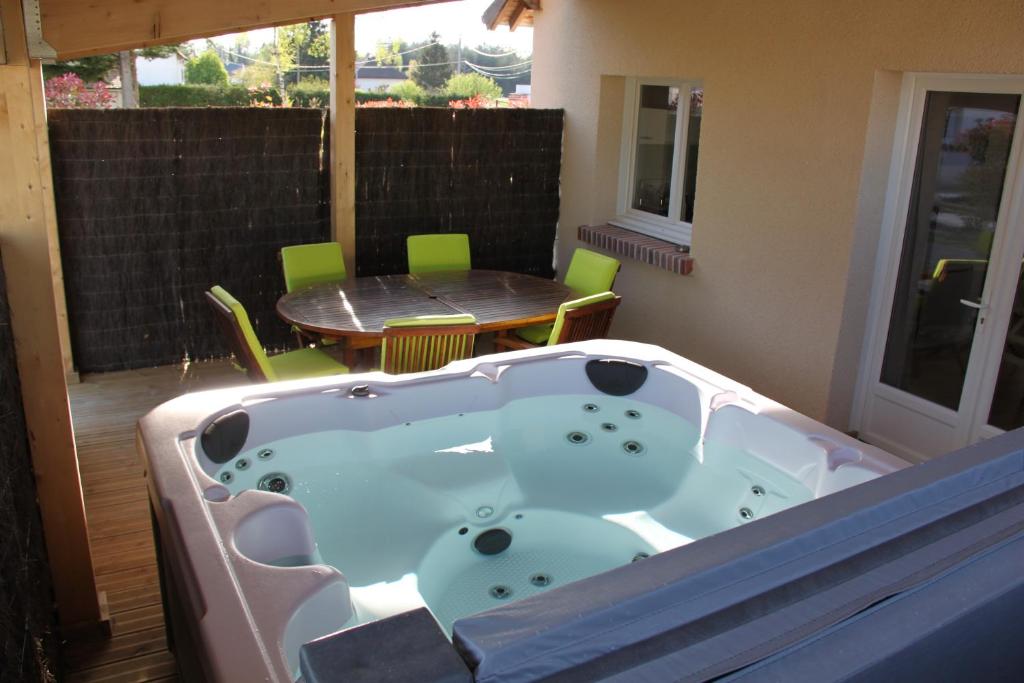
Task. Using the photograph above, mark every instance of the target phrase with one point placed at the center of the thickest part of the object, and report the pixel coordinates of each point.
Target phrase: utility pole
(277, 66)
(129, 83)
(458, 68)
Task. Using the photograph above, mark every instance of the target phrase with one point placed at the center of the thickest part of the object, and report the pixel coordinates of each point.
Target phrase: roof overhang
(77, 28)
(511, 13)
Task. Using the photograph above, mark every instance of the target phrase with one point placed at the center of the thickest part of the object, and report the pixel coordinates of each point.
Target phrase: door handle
(974, 304)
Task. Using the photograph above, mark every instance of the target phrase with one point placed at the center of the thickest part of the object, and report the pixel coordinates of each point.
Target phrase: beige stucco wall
(799, 112)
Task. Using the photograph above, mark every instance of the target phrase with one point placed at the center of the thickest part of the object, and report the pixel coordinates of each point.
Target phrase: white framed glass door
(941, 366)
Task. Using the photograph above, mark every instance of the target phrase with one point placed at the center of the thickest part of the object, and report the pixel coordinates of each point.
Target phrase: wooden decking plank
(134, 598)
(140, 619)
(115, 498)
(85, 655)
(136, 577)
(105, 409)
(141, 669)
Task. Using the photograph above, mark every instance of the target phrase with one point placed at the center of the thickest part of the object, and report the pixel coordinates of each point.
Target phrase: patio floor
(105, 408)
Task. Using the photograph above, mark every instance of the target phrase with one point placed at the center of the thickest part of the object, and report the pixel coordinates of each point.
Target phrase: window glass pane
(692, 141)
(958, 184)
(655, 146)
(1007, 410)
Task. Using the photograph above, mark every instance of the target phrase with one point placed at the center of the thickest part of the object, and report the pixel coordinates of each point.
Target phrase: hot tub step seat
(406, 648)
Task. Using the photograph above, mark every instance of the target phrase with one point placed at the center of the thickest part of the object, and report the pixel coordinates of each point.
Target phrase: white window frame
(667, 228)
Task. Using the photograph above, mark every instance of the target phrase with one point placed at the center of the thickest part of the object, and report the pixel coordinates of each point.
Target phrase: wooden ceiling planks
(82, 27)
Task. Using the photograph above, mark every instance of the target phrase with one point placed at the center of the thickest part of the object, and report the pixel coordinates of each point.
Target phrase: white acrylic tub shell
(251, 617)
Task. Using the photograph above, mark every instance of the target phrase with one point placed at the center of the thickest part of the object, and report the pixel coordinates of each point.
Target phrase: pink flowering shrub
(386, 104)
(474, 102)
(68, 91)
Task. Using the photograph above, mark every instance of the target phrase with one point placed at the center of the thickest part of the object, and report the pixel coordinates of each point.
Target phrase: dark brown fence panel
(156, 205)
(28, 641)
(491, 173)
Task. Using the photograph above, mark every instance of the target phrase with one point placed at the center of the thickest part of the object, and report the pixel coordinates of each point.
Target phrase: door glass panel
(1007, 410)
(655, 148)
(958, 185)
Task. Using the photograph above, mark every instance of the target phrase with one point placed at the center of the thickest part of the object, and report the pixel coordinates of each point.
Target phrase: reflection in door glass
(655, 148)
(958, 184)
(1007, 410)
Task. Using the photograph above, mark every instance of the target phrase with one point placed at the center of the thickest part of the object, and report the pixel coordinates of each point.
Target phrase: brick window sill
(633, 245)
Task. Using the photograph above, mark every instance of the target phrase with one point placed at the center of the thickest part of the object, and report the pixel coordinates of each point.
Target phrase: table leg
(350, 355)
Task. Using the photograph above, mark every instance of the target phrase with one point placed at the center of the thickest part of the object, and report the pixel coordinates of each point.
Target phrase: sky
(450, 19)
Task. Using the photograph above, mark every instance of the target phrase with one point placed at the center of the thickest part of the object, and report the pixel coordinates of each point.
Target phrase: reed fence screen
(155, 206)
(491, 173)
(28, 639)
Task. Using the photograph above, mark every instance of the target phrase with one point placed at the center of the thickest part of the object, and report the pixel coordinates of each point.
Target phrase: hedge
(205, 96)
(315, 93)
(367, 96)
(302, 96)
(310, 93)
(305, 94)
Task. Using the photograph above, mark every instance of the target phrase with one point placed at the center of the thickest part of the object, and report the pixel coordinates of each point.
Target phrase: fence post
(25, 214)
(343, 136)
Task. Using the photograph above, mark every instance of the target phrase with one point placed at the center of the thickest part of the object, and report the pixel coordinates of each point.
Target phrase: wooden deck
(105, 409)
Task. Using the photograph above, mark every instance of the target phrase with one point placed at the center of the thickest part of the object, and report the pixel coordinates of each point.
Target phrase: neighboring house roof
(232, 67)
(387, 73)
(513, 13)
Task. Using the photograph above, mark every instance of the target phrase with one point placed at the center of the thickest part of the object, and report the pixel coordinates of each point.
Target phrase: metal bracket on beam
(37, 47)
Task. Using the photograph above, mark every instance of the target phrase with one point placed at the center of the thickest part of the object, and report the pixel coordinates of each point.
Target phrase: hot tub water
(559, 487)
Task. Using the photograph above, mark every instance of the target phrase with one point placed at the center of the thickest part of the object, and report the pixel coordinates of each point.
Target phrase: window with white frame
(658, 167)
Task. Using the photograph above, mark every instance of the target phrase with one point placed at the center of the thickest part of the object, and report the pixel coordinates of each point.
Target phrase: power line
(412, 49)
(488, 54)
(500, 68)
(422, 66)
(506, 77)
(265, 63)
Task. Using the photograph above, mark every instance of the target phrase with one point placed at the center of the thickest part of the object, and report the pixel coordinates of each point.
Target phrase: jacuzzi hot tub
(289, 511)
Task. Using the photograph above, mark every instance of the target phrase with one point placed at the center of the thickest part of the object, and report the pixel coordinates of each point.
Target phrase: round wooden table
(353, 311)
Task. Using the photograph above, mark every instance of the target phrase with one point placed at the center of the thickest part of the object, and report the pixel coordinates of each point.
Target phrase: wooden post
(343, 136)
(28, 234)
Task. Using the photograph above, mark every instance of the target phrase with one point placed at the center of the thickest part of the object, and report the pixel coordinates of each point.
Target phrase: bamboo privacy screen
(156, 205)
(491, 173)
(28, 640)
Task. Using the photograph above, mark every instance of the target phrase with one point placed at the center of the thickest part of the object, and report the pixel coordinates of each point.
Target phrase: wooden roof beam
(516, 16)
(76, 28)
(514, 13)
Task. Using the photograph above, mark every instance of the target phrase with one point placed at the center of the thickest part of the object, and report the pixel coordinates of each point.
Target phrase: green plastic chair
(589, 317)
(249, 352)
(312, 264)
(588, 273)
(433, 253)
(426, 342)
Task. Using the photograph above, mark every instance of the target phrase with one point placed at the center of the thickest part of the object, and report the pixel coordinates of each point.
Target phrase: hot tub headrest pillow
(224, 437)
(616, 377)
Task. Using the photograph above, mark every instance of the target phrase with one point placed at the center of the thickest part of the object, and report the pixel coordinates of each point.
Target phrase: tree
(300, 47)
(507, 67)
(432, 70)
(388, 55)
(465, 86)
(206, 69)
(162, 51)
(408, 91)
(89, 69)
(92, 69)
